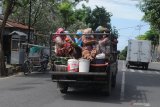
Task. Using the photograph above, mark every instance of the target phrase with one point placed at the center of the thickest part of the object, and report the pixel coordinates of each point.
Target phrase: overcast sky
(125, 14)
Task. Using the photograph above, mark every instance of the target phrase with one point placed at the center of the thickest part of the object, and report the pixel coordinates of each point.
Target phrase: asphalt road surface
(135, 88)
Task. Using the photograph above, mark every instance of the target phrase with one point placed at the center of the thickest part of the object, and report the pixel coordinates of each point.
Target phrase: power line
(138, 26)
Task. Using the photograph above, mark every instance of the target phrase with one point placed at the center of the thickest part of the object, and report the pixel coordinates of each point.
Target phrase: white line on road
(124, 67)
(140, 71)
(131, 70)
(142, 104)
(122, 85)
(157, 72)
(123, 70)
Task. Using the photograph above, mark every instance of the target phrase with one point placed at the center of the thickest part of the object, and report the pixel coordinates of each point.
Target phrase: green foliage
(151, 8)
(151, 35)
(77, 25)
(114, 32)
(48, 15)
(42, 14)
(121, 57)
(141, 37)
(123, 54)
(81, 14)
(99, 16)
(66, 10)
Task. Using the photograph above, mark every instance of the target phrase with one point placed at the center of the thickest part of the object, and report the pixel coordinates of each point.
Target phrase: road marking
(131, 70)
(123, 70)
(124, 67)
(142, 104)
(140, 71)
(157, 72)
(122, 85)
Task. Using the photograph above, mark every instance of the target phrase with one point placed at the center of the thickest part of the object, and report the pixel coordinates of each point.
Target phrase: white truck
(138, 53)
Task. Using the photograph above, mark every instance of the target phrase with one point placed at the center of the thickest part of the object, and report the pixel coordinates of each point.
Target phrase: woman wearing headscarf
(103, 39)
(89, 45)
(59, 40)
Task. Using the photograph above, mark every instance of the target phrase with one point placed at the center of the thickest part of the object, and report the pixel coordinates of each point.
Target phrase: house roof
(14, 24)
(18, 33)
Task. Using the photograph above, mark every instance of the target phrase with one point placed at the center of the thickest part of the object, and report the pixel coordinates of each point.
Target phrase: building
(10, 43)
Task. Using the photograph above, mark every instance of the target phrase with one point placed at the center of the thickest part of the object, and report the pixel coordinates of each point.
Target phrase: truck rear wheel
(128, 66)
(146, 67)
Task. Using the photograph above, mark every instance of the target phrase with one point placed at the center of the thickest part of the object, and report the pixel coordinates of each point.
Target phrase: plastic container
(73, 65)
(100, 56)
(100, 59)
(84, 65)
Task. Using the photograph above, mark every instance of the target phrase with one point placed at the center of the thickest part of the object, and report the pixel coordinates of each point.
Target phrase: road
(135, 88)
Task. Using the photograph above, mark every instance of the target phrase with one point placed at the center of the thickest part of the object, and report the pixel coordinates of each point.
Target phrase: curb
(10, 71)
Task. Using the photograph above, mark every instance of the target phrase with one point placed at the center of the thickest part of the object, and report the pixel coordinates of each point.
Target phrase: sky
(126, 18)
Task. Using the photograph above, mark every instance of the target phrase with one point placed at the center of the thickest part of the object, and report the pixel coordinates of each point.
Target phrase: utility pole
(29, 26)
(139, 28)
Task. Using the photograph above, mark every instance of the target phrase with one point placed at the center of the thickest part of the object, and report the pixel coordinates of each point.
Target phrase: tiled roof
(15, 24)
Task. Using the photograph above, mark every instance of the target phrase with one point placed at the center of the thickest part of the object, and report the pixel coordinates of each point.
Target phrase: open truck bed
(101, 75)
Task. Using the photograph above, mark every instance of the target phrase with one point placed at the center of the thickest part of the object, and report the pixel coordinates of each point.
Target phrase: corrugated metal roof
(18, 33)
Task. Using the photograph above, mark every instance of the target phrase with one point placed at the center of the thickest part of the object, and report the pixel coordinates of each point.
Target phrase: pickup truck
(99, 75)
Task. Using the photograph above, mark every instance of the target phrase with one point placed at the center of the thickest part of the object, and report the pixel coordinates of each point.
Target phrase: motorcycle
(44, 63)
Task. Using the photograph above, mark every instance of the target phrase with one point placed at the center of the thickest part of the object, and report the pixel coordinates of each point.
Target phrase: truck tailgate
(88, 77)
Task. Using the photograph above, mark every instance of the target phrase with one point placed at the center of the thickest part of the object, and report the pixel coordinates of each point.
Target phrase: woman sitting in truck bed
(63, 46)
(89, 50)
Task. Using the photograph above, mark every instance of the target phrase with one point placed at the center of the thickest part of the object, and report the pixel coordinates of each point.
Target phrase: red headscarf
(58, 32)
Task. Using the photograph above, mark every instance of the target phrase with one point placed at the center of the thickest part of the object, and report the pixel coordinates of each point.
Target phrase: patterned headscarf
(58, 32)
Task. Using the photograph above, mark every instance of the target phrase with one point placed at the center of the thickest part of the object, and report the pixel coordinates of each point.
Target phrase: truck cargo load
(96, 68)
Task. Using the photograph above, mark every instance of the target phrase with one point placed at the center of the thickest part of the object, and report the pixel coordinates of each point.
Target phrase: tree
(43, 14)
(151, 35)
(98, 17)
(114, 32)
(151, 9)
(9, 8)
(123, 54)
(46, 15)
(66, 10)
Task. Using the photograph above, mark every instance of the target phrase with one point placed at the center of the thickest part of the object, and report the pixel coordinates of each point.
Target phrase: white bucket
(84, 65)
(73, 65)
